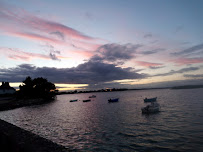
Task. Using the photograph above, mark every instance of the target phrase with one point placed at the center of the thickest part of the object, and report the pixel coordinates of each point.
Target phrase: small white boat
(74, 100)
(92, 96)
(152, 108)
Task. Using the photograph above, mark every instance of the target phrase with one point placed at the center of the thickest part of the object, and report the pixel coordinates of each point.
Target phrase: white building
(6, 89)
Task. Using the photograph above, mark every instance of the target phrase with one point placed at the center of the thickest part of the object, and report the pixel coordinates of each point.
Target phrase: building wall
(7, 91)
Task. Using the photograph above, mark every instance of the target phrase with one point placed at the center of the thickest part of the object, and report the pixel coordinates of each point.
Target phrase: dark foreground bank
(15, 139)
(12, 103)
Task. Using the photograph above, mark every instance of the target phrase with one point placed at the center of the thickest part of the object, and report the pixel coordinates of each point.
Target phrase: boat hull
(150, 99)
(113, 100)
(86, 100)
(93, 96)
(73, 100)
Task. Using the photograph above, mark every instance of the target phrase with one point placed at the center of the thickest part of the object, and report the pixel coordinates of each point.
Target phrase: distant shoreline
(125, 89)
(188, 87)
(108, 90)
(10, 102)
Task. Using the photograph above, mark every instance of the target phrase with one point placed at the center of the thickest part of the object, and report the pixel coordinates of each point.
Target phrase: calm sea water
(102, 126)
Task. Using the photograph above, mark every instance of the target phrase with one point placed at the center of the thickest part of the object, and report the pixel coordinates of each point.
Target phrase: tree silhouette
(27, 88)
(37, 88)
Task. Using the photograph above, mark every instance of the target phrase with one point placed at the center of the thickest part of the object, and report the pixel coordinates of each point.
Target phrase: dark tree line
(37, 88)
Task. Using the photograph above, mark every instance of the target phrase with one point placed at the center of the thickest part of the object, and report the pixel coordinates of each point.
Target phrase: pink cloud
(19, 22)
(28, 20)
(84, 53)
(184, 61)
(148, 64)
(16, 54)
(18, 57)
(50, 26)
(85, 45)
(37, 37)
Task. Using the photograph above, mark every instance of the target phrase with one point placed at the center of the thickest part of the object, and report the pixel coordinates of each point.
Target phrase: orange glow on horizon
(69, 87)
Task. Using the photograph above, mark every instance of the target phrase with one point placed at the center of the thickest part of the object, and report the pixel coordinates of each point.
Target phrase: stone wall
(15, 139)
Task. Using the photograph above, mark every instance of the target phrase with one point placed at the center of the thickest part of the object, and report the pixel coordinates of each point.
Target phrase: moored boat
(74, 100)
(88, 100)
(150, 99)
(113, 100)
(92, 96)
(152, 108)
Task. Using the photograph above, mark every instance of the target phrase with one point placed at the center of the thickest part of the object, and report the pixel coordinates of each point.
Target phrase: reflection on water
(98, 125)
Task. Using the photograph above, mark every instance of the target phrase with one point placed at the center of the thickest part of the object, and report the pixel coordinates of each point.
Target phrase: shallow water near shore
(102, 126)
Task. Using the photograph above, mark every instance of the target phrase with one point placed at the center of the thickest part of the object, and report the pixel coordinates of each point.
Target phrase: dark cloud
(97, 58)
(152, 51)
(115, 52)
(58, 34)
(170, 83)
(194, 76)
(53, 57)
(52, 51)
(178, 71)
(148, 35)
(156, 67)
(24, 67)
(107, 85)
(190, 50)
(120, 63)
(87, 73)
(51, 48)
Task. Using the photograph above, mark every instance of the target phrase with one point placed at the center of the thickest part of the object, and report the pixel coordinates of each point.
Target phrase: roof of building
(6, 86)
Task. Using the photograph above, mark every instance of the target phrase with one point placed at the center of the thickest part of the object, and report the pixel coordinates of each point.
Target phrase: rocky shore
(15, 139)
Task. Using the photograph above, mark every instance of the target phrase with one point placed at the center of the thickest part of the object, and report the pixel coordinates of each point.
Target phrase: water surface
(102, 126)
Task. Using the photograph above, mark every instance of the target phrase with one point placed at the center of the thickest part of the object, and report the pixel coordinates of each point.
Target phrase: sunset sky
(96, 44)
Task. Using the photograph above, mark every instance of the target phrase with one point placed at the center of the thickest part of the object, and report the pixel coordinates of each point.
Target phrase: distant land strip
(108, 90)
(188, 87)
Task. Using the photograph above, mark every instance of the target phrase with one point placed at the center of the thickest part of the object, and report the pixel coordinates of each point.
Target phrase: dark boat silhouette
(113, 100)
(150, 99)
(88, 100)
(92, 96)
